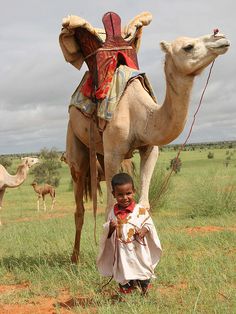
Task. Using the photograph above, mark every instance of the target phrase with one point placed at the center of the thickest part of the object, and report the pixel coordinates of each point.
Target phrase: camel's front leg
(53, 202)
(148, 158)
(38, 203)
(1, 197)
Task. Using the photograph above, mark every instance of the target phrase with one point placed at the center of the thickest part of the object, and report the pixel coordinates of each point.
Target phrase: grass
(196, 273)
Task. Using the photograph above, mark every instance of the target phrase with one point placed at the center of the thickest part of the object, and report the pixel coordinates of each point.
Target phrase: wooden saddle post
(98, 55)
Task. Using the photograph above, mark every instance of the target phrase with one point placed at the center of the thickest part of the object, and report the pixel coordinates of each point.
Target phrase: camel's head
(192, 55)
(29, 161)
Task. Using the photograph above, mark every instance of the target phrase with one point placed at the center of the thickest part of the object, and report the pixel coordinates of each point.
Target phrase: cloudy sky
(36, 83)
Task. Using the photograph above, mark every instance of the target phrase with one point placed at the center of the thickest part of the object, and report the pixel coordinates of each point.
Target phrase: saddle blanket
(106, 107)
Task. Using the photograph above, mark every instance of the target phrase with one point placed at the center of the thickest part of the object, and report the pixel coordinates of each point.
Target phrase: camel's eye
(188, 48)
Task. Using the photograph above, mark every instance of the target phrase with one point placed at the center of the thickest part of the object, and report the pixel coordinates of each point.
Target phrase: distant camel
(127, 165)
(12, 181)
(42, 191)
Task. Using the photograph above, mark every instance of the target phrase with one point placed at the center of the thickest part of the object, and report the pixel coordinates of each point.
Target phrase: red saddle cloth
(103, 58)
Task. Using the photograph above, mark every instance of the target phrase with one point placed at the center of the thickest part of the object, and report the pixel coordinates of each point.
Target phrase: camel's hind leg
(78, 160)
(53, 195)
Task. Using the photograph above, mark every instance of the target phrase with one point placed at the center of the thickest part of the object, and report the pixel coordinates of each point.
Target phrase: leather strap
(93, 171)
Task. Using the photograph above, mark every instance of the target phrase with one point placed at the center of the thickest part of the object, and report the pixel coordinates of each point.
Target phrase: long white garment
(125, 258)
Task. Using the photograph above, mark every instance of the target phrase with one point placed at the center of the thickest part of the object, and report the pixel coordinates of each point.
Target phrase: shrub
(212, 196)
(210, 155)
(5, 161)
(158, 198)
(176, 164)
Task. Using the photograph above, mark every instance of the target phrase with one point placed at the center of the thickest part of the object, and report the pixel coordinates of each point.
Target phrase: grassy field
(196, 273)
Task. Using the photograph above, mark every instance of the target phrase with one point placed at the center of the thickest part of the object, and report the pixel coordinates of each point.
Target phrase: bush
(158, 198)
(176, 164)
(212, 196)
(5, 161)
(210, 155)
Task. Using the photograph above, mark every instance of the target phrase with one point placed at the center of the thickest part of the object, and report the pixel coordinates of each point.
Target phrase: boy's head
(123, 189)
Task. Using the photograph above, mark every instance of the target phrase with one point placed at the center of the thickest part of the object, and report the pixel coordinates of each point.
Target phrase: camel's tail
(126, 166)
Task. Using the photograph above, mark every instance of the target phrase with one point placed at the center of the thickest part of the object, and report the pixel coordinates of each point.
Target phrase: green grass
(196, 273)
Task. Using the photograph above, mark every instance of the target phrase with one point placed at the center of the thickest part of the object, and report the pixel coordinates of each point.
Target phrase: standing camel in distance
(42, 191)
(12, 181)
(139, 123)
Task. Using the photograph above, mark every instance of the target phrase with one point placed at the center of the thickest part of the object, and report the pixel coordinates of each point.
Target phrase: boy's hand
(142, 232)
(112, 227)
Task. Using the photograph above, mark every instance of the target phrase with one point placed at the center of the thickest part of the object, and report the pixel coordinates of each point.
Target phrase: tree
(47, 170)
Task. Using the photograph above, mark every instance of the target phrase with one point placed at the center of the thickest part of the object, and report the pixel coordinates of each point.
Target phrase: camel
(139, 123)
(12, 181)
(42, 191)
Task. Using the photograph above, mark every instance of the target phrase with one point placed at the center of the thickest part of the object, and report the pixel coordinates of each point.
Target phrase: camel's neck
(13, 181)
(36, 188)
(169, 120)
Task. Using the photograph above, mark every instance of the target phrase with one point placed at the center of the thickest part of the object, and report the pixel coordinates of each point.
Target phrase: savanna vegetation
(195, 217)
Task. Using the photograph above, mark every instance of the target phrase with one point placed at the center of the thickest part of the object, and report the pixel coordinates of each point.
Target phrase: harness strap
(93, 171)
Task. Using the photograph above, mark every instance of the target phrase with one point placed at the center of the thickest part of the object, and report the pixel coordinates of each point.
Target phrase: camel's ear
(165, 46)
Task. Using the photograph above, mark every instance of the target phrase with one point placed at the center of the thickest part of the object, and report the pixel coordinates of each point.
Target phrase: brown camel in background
(42, 191)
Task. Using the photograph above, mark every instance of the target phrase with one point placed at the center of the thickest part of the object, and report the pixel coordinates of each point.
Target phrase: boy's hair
(120, 179)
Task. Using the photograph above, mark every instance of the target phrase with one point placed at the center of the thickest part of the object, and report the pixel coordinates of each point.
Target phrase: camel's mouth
(222, 46)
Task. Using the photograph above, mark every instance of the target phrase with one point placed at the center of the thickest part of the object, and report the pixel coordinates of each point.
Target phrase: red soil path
(64, 304)
(203, 229)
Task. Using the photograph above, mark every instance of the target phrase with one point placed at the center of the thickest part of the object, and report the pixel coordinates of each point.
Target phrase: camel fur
(42, 191)
(139, 123)
(12, 181)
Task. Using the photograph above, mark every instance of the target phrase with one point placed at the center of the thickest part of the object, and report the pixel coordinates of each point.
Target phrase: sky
(36, 83)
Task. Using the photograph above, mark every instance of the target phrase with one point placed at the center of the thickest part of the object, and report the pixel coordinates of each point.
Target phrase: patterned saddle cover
(102, 58)
(102, 51)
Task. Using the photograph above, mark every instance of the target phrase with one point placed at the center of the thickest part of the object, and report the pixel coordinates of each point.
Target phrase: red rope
(165, 183)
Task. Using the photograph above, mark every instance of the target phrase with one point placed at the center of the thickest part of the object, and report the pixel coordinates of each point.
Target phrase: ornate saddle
(102, 51)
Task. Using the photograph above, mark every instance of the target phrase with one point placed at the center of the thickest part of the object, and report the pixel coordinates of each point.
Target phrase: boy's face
(124, 194)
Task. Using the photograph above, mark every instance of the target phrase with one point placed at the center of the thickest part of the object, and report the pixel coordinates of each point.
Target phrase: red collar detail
(124, 211)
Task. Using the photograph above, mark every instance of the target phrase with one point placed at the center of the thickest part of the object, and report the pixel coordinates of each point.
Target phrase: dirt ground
(64, 303)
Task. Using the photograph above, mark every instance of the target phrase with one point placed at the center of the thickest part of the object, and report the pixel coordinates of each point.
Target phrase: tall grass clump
(158, 196)
(213, 193)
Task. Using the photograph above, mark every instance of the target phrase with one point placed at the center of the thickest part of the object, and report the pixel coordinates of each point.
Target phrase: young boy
(130, 248)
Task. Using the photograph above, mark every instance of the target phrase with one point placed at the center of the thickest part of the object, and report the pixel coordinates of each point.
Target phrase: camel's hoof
(74, 258)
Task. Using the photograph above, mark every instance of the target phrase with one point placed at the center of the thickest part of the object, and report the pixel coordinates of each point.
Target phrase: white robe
(124, 258)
